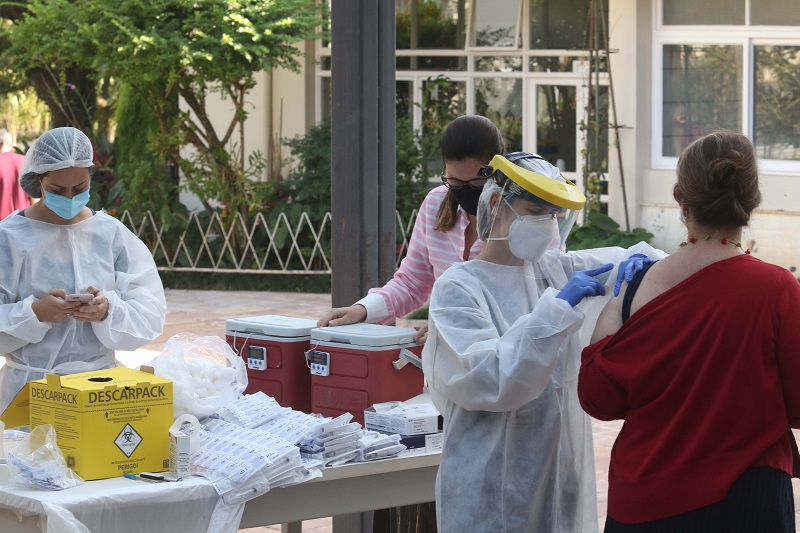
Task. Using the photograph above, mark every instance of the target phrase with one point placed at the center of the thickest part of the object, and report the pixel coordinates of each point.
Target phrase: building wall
(276, 108)
(292, 113)
(625, 35)
(774, 232)
(282, 105)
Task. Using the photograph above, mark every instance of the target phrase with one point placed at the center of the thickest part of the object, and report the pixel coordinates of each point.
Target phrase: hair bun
(718, 179)
(722, 172)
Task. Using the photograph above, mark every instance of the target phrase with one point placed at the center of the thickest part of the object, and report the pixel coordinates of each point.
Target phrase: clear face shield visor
(524, 204)
(534, 193)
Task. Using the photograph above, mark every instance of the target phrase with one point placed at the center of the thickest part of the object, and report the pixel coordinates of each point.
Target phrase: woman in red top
(706, 369)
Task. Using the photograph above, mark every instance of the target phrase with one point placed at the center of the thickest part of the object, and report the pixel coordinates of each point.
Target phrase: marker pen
(137, 478)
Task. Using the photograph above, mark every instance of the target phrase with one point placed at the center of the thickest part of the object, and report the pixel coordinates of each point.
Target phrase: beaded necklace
(723, 240)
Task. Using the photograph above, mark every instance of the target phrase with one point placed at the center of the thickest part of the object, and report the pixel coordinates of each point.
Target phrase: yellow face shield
(566, 195)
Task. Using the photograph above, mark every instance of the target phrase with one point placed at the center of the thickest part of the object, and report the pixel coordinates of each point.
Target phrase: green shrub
(215, 281)
(142, 173)
(308, 185)
(419, 314)
(599, 230)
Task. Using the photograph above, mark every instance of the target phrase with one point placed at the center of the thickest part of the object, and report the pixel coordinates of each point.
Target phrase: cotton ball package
(204, 378)
(206, 373)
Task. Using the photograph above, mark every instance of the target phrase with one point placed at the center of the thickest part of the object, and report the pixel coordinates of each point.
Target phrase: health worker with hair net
(502, 358)
(57, 247)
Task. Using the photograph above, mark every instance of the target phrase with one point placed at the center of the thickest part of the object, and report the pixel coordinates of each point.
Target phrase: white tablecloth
(122, 505)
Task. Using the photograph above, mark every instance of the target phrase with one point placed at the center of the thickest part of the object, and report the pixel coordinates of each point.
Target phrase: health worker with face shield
(56, 248)
(503, 353)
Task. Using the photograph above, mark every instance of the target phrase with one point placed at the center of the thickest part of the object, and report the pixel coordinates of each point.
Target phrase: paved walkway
(205, 312)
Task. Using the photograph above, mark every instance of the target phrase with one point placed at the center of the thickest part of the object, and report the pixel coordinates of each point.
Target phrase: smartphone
(82, 298)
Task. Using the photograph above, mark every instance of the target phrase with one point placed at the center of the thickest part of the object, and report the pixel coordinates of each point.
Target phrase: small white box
(434, 442)
(180, 457)
(430, 443)
(412, 419)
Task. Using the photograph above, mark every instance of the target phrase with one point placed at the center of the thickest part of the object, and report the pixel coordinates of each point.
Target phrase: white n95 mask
(529, 237)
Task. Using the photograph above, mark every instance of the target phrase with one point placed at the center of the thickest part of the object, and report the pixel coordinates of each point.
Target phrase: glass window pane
(325, 99)
(407, 157)
(431, 24)
(556, 124)
(702, 92)
(562, 24)
(495, 23)
(500, 100)
(404, 103)
(595, 160)
(776, 130)
(498, 64)
(456, 63)
(774, 13)
(564, 64)
(695, 12)
(327, 25)
(325, 63)
(443, 100)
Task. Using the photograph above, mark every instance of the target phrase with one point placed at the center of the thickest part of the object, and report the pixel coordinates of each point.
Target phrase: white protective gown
(501, 362)
(38, 256)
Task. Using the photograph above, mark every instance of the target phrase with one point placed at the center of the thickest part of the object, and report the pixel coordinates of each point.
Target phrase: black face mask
(467, 197)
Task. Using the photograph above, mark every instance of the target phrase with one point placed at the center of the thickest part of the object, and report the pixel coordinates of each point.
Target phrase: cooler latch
(407, 356)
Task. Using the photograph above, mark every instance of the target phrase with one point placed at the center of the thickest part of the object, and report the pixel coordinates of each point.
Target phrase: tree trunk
(72, 104)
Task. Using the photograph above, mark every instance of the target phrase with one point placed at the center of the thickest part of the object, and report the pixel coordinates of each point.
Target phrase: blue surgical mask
(66, 208)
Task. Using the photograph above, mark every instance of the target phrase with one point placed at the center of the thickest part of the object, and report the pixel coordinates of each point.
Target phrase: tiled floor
(205, 312)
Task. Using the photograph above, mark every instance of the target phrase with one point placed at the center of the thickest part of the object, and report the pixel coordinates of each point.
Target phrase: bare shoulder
(610, 319)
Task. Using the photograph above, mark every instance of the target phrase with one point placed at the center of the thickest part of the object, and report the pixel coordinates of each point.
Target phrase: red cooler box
(352, 368)
(273, 348)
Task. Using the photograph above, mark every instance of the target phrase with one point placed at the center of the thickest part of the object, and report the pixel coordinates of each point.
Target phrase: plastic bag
(206, 373)
(37, 460)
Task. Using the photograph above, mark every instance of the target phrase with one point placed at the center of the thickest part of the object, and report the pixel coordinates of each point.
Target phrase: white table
(343, 492)
(346, 491)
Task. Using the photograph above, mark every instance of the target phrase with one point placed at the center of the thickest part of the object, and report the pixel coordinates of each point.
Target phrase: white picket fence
(257, 246)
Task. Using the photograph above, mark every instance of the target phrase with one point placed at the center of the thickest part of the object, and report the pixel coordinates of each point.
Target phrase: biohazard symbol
(128, 440)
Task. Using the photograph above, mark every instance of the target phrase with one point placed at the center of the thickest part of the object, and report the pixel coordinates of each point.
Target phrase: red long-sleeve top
(12, 197)
(707, 378)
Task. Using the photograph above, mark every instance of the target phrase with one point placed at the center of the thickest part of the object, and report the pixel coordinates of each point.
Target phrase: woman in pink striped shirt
(444, 232)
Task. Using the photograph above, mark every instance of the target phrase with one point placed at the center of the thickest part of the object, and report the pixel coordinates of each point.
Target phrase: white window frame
(748, 37)
(470, 75)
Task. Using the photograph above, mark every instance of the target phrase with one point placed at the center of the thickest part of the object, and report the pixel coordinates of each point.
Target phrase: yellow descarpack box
(108, 422)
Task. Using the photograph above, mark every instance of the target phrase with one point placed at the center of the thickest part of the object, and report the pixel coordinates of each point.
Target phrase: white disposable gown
(37, 256)
(501, 362)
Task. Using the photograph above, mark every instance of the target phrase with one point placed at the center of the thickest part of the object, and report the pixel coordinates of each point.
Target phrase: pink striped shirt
(430, 252)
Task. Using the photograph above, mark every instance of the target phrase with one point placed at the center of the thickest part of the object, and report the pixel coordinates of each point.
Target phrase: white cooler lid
(274, 325)
(364, 335)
